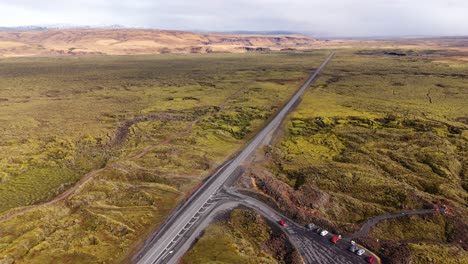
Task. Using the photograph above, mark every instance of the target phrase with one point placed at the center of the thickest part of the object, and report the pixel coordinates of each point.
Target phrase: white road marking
(157, 252)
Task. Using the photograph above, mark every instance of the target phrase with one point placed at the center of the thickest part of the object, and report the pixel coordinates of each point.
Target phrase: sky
(345, 18)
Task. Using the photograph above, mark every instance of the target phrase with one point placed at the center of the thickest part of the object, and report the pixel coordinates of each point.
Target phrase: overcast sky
(316, 17)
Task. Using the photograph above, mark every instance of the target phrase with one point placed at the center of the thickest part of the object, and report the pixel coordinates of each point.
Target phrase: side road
(312, 247)
(364, 231)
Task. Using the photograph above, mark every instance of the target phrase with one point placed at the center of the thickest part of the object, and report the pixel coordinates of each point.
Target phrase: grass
(243, 238)
(435, 253)
(58, 112)
(435, 228)
(378, 134)
(380, 138)
(157, 125)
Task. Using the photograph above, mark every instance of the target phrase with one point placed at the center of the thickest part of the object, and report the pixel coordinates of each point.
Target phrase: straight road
(186, 216)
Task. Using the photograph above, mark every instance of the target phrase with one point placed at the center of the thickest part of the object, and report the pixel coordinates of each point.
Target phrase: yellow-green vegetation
(428, 227)
(157, 125)
(244, 238)
(432, 232)
(437, 253)
(379, 133)
(236, 241)
(387, 132)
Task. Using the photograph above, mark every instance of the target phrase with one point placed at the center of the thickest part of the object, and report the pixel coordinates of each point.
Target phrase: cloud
(331, 17)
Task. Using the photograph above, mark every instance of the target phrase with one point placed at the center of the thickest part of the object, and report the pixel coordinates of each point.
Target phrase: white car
(324, 233)
(360, 252)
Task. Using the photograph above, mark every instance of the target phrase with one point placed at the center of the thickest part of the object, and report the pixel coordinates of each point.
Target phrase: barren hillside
(136, 41)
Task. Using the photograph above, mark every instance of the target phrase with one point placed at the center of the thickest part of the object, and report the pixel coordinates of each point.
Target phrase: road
(185, 216)
(364, 230)
(312, 247)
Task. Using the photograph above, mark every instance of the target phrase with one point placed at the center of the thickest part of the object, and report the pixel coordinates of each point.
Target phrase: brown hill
(138, 41)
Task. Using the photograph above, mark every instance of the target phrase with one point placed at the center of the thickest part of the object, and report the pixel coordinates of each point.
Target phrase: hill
(139, 41)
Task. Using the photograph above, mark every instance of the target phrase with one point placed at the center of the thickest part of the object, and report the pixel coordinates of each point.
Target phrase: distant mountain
(113, 40)
(59, 27)
(278, 32)
(23, 28)
(116, 26)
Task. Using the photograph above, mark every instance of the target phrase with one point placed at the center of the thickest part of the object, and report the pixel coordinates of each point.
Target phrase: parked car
(335, 239)
(353, 248)
(360, 252)
(311, 226)
(323, 232)
(370, 259)
(282, 222)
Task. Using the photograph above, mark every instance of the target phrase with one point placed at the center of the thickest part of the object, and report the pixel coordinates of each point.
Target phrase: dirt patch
(282, 249)
(259, 49)
(281, 81)
(300, 205)
(190, 98)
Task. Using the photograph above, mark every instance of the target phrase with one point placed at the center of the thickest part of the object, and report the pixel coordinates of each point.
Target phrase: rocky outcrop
(302, 205)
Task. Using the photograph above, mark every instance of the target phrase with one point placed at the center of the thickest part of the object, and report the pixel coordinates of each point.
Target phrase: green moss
(381, 134)
(239, 240)
(57, 131)
(431, 227)
(437, 254)
(369, 132)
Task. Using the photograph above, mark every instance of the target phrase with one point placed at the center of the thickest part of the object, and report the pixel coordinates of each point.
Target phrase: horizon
(335, 18)
(32, 28)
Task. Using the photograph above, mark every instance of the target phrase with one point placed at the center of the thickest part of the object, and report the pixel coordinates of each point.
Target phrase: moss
(431, 227)
(435, 253)
(377, 134)
(113, 112)
(238, 240)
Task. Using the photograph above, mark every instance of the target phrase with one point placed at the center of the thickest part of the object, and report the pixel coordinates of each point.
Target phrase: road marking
(224, 173)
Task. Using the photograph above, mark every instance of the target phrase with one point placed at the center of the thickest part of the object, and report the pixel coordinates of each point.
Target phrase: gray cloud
(330, 17)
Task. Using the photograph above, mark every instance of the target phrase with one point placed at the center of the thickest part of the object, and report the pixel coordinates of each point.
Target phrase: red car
(335, 239)
(370, 259)
(282, 222)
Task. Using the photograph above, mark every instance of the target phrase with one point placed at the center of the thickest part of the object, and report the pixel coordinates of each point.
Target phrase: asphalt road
(162, 245)
(312, 247)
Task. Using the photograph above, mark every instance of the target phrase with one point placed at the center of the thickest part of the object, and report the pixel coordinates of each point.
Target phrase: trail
(364, 231)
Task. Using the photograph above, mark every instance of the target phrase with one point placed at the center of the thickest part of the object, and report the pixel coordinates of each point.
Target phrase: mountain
(58, 27)
(279, 32)
(43, 42)
(23, 28)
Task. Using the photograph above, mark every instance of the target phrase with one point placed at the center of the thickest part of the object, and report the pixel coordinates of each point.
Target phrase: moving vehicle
(282, 222)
